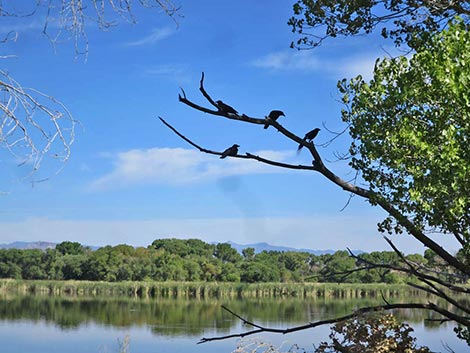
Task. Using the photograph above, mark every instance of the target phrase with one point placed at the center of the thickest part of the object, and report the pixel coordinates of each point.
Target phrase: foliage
(411, 131)
(190, 260)
(405, 21)
(371, 334)
(366, 334)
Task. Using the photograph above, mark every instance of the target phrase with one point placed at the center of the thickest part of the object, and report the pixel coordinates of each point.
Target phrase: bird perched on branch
(225, 108)
(273, 116)
(309, 136)
(231, 151)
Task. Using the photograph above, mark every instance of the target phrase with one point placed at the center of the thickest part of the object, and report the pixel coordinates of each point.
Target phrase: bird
(309, 136)
(273, 115)
(231, 151)
(225, 108)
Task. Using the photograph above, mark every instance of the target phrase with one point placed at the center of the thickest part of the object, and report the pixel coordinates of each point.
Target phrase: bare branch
(246, 156)
(434, 285)
(320, 167)
(259, 328)
(317, 161)
(420, 273)
(279, 164)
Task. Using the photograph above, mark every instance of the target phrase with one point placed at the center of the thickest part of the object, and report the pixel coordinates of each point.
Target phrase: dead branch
(320, 167)
(421, 273)
(317, 161)
(432, 282)
(361, 311)
(246, 156)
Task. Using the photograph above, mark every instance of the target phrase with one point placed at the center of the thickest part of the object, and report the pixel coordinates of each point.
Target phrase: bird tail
(222, 157)
(266, 126)
(300, 145)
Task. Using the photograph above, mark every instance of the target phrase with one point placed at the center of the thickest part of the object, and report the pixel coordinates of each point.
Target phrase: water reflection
(47, 324)
(181, 316)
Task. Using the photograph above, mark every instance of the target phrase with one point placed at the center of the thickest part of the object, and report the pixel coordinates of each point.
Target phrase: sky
(131, 180)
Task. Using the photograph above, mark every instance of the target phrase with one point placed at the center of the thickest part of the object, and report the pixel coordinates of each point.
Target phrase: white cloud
(305, 61)
(359, 65)
(288, 60)
(179, 166)
(155, 36)
(320, 232)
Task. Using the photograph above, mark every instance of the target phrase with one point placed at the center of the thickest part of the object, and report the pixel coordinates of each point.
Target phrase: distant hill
(43, 245)
(259, 247)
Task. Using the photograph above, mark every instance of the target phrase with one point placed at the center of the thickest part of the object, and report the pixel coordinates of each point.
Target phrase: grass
(199, 290)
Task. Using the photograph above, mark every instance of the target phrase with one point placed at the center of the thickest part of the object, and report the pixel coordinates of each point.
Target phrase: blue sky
(131, 180)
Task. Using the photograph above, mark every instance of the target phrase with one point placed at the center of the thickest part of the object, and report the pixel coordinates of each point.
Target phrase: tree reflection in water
(175, 317)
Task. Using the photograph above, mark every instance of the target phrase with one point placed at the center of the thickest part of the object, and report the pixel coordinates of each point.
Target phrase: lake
(43, 324)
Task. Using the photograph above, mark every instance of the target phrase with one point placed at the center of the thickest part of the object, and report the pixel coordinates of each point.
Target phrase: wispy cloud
(351, 67)
(306, 61)
(179, 166)
(155, 36)
(25, 26)
(174, 72)
(289, 61)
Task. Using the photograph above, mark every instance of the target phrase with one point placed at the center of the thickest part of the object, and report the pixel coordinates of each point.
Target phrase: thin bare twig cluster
(68, 19)
(33, 124)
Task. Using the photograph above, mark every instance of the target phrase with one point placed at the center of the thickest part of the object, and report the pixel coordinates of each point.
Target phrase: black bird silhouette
(273, 115)
(309, 136)
(231, 151)
(225, 108)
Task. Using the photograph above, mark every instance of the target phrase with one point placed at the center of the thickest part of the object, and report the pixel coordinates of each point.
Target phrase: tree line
(196, 260)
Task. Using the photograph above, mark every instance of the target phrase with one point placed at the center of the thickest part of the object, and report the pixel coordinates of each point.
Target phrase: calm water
(53, 324)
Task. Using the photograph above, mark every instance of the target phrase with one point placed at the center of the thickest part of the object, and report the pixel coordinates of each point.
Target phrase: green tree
(103, 265)
(172, 246)
(404, 21)
(255, 271)
(248, 253)
(225, 253)
(297, 263)
(229, 273)
(379, 274)
(337, 268)
(418, 105)
(71, 248)
(193, 270)
(32, 264)
(200, 248)
(73, 266)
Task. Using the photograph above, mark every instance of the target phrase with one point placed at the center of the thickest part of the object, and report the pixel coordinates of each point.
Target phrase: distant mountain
(259, 247)
(43, 245)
